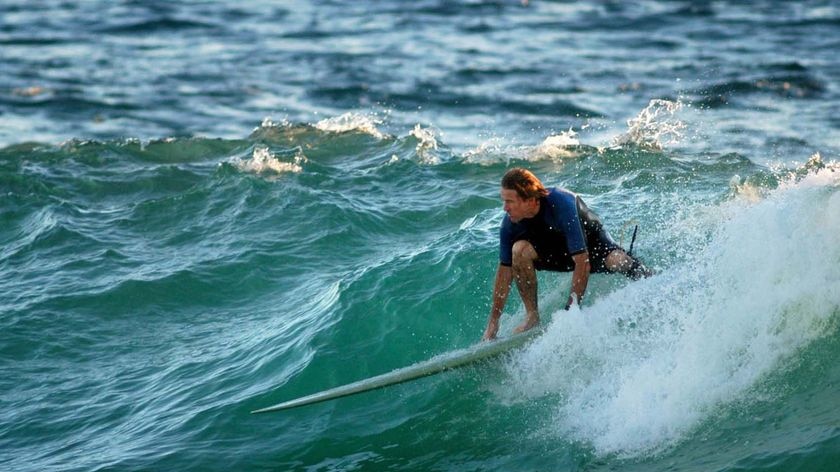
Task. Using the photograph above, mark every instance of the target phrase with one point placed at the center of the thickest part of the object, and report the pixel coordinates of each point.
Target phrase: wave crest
(640, 369)
(263, 160)
(655, 127)
(351, 122)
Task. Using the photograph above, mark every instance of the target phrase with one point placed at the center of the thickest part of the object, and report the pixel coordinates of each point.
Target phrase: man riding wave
(549, 229)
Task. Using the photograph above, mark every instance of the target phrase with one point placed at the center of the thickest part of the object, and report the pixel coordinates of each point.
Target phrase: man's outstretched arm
(501, 289)
(580, 278)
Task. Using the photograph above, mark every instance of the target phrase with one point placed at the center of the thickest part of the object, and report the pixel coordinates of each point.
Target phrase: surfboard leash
(633, 240)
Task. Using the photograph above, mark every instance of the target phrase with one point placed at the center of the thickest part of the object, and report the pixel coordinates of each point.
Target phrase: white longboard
(443, 362)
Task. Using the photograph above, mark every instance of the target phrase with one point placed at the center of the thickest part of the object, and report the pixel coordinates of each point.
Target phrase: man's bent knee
(623, 263)
(523, 252)
(618, 261)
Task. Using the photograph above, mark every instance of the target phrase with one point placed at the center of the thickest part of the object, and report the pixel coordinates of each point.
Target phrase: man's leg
(525, 275)
(619, 261)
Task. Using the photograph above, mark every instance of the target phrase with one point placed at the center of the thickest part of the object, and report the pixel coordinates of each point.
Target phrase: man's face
(518, 208)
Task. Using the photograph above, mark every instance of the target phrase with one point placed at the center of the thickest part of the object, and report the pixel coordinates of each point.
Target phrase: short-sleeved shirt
(562, 228)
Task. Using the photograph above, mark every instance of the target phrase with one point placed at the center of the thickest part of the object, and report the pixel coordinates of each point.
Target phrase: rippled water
(211, 207)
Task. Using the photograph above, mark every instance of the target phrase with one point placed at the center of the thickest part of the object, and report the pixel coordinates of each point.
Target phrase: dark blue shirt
(558, 220)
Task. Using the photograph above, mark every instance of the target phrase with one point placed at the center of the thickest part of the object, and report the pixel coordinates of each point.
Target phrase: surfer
(549, 229)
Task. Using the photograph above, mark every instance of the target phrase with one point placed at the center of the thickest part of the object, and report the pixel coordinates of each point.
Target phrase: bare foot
(529, 323)
(490, 332)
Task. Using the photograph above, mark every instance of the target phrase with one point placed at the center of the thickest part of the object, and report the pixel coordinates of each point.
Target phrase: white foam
(352, 122)
(640, 368)
(559, 146)
(269, 122)
(488, 152)
(563, 145)
(426, 145)
(655, 127)
(262, 161)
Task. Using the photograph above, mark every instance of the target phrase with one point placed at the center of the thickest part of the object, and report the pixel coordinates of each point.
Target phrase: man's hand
(580, 278)
(501, 288)
(571, 301)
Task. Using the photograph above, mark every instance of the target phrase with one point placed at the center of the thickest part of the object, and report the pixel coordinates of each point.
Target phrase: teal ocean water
(212, 207)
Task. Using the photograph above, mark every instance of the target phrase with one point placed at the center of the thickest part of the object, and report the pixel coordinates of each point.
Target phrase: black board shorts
(553, 256)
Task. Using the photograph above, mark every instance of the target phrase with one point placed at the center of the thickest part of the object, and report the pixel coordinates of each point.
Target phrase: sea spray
(639, 369)
(262, 160)
(352, 122)
(427, 144)
(656, 126)
(563, 145)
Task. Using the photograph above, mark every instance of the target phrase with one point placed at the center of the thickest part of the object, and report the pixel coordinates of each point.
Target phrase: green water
(155, 293)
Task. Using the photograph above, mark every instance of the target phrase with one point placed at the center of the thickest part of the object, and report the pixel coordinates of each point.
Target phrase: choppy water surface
(210, 207)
